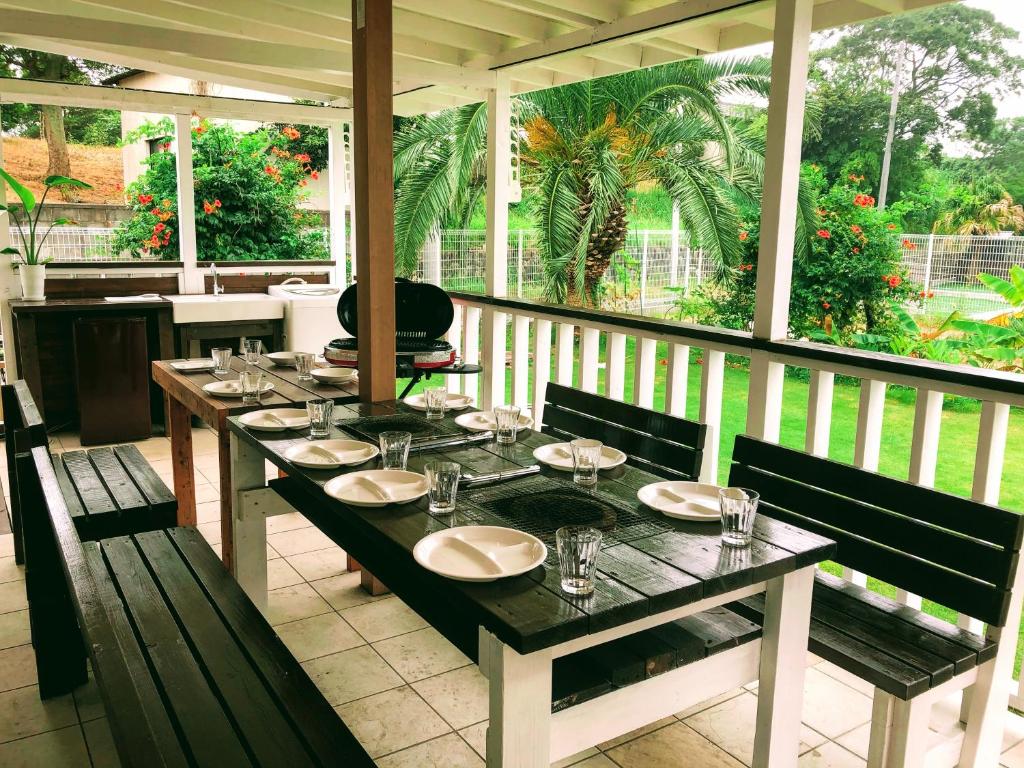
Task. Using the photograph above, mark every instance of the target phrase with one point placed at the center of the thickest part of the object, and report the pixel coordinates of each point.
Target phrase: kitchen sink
(225, 308)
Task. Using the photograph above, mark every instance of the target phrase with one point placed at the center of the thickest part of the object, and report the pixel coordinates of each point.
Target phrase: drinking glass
(252, 385)
(739, 507)
(303, 365)
(319, 412)
(221, 359)
(252, 349)
(506, 417)
(436, 401)
(578, 547)
(443, 481)
(394, 449)
(586, 460)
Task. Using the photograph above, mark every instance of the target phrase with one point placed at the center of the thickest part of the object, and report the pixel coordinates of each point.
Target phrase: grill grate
(370, 427)
(542, 505)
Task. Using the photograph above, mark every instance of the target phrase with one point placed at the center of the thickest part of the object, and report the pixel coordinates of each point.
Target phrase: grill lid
(422, 310)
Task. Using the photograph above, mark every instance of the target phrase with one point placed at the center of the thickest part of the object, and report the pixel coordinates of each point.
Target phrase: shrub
(247, 190)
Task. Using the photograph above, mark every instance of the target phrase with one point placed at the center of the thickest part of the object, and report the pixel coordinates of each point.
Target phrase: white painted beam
(8, 279)
(188, 252)
(337, 173)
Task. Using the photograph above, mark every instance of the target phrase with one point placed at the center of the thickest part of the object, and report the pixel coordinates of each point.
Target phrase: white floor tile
(663, 749)
(318, 636)
(459, 696)
(64, 748)
(22, 713)
(298, 541)
(12, 597)
(10, 571)
(17, 667)
(445, 752)
(320, 564)
(293, 603)
(14, 629)
(344, 591)
(420, 654)
(393, 720)
(350, 675)
(830, 755)
(382, 619)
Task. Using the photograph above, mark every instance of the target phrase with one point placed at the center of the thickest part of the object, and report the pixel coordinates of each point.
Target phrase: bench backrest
(23, 429)
(666, 445)
(960, 553)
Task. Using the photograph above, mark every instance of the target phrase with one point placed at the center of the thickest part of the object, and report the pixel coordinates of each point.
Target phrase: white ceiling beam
(13, 90)
(484, 15)
(888, 6)
(578, 17)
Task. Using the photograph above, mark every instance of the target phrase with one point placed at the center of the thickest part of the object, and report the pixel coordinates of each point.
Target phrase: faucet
(218, 289)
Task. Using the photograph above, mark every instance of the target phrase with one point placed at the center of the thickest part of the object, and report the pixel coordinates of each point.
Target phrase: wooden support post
(374, 197)
(337, 198)
(712, 382)
(188, 251)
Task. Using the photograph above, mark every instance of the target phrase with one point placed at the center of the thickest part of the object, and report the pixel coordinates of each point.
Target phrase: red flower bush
(824, 234)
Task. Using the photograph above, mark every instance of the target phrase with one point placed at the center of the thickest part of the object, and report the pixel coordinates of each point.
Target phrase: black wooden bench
(666, 445)
(959, 553)
(110, 491)
(189, 671)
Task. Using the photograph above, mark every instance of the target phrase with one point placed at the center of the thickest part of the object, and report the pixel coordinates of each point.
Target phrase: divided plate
(334, 375)
(559, 456)
(682, 500)
(456, 402)
(232, 388)
(284, 359)
(483, 421)
(331, 454)
(193, 366)
(275, 419)
(480, 552)
(377, 487)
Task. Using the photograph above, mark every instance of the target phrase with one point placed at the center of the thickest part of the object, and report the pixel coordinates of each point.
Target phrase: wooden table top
(649, 563)
(288, 390)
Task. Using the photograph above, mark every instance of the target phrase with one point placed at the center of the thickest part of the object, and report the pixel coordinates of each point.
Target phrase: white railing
(564, 344)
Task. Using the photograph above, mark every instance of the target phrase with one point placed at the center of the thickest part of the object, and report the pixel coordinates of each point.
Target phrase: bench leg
(899, 732)
(246, 523)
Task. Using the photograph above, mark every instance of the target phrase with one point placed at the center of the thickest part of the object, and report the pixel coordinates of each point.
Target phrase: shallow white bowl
(334, 375)
(456, 402)
(483, 421)
(401, 487)
(480, 552)
(559, 456)
(697, 502)
(284, 359)
(287, 418)
(232, 388)
(346, 453)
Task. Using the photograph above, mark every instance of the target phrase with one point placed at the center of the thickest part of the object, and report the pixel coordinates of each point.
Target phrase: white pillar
(432, 259)
(351, 194)
(8, 281)
(673, 258)
(187, 205)
(337, 191)
(779, 208)
(499, 168)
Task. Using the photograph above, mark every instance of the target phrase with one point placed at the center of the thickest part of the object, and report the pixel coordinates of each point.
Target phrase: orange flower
(826, 305)
(290, 132)
(909, 245)
(145, 199)
(856, 249)
(154, 241)
(743, 236)
(208, 207)
(302, 158)
(216, 203)
(890, 226)
(894, 281)
(160, 227)
(314, 175)
(155, 211)
(824, 233)
(855, 229)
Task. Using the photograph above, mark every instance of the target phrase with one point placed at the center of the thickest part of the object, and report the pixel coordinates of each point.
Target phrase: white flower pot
(33, 278)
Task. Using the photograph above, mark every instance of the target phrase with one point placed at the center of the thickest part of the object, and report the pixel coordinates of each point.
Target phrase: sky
(1010, 13)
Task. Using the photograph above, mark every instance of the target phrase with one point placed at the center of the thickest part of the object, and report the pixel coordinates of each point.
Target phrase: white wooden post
(590, 348)
(564, 354)
(676, 379)
(351, 194)
(686, 270)
(541, 366)
(432, 259)
(712, 382)
(643, 272)
(778, 209)
(519, 265)
(189, 254)
(819, 412)
(615, 366)
(454, 381)
(471, 351)
(673, 255)
(928, 263)
(643, 375)
(337, 192)
(868, 442)
(9, 288)
(499, 169)
(520, 360)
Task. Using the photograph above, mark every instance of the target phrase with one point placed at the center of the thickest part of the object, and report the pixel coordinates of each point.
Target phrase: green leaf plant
(26, 216)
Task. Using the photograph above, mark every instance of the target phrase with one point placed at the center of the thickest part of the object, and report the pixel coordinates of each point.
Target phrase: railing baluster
(643, 375)
(590, 346)
(566, 337)
(712, 382)
(868, 442)
(676, 379)
(615, 366)
(493, 351)
(541, 366)
(521, 360)
(453, 381)
(819, 412)
(471, 353)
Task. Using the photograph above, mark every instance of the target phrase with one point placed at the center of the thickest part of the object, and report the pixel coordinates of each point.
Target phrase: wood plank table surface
(651, 570)
(184, 397)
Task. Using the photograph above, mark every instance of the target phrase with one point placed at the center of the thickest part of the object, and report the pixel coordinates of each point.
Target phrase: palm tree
(583, 147)
(974, 218)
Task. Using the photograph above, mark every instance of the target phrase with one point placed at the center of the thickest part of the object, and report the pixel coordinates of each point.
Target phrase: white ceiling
(446, 51)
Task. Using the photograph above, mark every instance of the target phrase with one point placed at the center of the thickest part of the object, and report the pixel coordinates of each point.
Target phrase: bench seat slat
(94, 497)
(115, 479)
(156, 493)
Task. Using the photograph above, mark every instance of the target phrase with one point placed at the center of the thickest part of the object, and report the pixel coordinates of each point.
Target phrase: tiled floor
(410, 697)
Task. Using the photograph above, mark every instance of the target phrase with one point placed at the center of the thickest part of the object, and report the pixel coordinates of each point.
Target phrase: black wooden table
(652, 570)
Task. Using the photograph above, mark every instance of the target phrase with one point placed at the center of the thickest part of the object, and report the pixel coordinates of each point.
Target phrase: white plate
(347, 453)
(275, 419)
(359, 488)
(683, 500)
(284, 359)
(232, 388)
(479, 552)
(456, 402)
(193, 366)
(334, 375)
(559, 456)
(483, 421)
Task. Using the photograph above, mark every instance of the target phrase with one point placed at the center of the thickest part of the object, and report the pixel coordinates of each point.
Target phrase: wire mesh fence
(76, 244)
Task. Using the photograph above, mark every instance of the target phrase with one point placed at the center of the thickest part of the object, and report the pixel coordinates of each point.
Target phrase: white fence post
(673, 257)
(643, 272)
(928, 263)
(519, 266)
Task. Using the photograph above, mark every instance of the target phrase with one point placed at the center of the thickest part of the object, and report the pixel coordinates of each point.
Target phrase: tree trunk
(605, 241)
(57, 148)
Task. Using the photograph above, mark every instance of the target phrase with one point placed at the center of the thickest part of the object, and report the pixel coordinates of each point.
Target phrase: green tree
(584, 147)
(1003, 155)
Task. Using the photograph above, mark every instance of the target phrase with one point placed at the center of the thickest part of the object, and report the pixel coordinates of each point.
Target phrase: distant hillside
(25, 159)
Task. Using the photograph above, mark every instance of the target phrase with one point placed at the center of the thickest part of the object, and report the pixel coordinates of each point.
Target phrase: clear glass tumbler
(506, 417)
(443, 481)
(394, 449)
(319, 412)
(586, 460)
(578, 547)
(303, 365)
(436, 401)
(252, 385)
(251, 350)
(221, 359)
(739, 507)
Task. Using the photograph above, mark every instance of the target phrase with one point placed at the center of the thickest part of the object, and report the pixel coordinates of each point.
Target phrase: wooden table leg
(246, 526)
(181, 457)
(780, 692)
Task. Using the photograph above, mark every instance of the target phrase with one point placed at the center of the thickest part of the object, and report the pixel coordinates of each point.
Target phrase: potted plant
(32, 267)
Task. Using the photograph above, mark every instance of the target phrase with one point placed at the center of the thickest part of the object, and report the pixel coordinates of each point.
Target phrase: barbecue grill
(423, 315)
